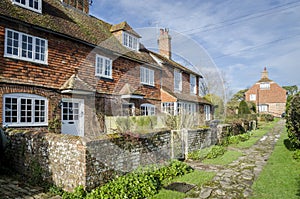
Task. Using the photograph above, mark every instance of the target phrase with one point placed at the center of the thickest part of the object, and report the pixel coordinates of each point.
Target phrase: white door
(72, 116)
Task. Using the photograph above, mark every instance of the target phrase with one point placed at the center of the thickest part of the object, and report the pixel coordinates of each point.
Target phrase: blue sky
(231, 38)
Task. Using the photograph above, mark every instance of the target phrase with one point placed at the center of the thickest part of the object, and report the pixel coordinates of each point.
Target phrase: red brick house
(180, 86)
(268, 96)
(59, 64)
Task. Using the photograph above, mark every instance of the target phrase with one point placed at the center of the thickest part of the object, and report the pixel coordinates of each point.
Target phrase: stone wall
(69, 161)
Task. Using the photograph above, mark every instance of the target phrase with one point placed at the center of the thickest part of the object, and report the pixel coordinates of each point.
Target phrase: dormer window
(130, 41)
(34, 5)
(265, 85)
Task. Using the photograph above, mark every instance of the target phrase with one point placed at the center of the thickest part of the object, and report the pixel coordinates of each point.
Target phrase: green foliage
(296, 155)
(54, 190)
(218, 103)
(54, 125)
(36, 172)
(78, 193)
(266, 117)
(291, 90)
(243, 108)
(215, 152)
(136, 123)
(140, 184)
(293, 120)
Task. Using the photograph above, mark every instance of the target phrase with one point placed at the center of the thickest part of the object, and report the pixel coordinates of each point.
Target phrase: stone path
(235, 180)
(13, 189)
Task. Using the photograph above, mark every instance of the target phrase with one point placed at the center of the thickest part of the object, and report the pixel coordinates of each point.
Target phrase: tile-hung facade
(268, 96)
(58, 64)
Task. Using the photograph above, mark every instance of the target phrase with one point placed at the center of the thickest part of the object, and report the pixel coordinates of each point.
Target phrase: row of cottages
(61, 67)
(267, 95)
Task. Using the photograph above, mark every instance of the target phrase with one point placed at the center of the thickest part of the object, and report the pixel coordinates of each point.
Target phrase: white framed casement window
(207, 112)
(147, 109)
(264, 85)
(193, 84)
(177, 81)
(263, 108)
(22, 110)
(252, 97)
(34, 5)
(103, 67)
(147, 76)
(168, 107)
(26, 47)
(130, 41)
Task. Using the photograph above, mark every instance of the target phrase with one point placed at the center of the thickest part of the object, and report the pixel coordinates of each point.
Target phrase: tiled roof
(174, 64)
(264, 80)
(128, 90)
(124, 26)
(58, 17)
(186, 97)
(75, 83)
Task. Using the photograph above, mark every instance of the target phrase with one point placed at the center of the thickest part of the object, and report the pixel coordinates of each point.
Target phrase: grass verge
(227, 158)
(197, 178)
(256, 135)
(280, 177)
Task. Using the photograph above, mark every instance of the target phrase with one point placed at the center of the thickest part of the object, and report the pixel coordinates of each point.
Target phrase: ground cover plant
(142, 183)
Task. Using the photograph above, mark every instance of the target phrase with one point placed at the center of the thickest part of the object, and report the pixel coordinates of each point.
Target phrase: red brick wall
(275, 94)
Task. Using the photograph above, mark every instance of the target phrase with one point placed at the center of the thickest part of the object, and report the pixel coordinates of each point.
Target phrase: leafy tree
(291, 90)
(239, 96)
(234, 102)
(243, 108)
(218, 104)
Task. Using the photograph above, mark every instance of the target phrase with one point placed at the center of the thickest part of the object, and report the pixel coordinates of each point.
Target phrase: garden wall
(68, 161)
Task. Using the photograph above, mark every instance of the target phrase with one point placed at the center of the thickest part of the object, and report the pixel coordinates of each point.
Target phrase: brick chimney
(264, 74)
(82, 5)
(164, 43)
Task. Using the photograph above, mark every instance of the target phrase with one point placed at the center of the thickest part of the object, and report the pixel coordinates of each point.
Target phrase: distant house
(268, 96)
(58, 63)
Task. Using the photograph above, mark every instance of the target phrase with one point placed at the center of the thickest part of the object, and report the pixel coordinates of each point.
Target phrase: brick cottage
(268, 96)
(60, 66)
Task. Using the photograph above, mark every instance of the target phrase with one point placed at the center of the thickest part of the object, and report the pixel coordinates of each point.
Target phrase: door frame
(81, 114)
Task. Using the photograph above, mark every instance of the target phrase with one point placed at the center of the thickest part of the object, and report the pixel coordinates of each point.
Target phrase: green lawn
(197, 178)
(256, 135)
(227, 158)
(280, 178)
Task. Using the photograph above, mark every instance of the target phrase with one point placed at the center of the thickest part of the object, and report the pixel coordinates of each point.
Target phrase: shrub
(267, 117)
(141, 183)
(215, 152)
(243, 108)
(296, 155)
(78, 193)
(293, 120)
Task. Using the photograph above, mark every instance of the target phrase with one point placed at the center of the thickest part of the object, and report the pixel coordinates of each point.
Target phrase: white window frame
(263, 108)
(252, 97)
(103, 67)
(207, 112)
(27, 51)
(168, 107)
(193, 84)
(147, 109)
(264, 85)
(147, 76)
(130, 41)
(177, 80)
(23, 112)
(26, 4)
